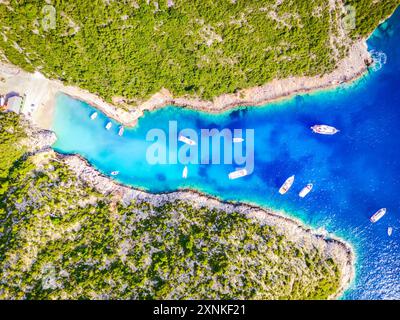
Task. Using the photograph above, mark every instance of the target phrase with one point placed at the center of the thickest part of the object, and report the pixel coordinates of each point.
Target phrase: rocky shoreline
(337, 249)
(42, 91)
(348, 70)
(39, 141)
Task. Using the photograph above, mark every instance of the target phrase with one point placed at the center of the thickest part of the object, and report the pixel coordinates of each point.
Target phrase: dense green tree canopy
(194, 47)
(60, 239)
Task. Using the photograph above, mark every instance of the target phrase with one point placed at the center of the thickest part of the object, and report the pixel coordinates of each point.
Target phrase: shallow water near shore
(354, 172)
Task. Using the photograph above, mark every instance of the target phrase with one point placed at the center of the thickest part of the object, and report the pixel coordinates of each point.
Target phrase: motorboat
(378, 215)
(306, 190)
(286, 185)
(238, 174)
(324, 129)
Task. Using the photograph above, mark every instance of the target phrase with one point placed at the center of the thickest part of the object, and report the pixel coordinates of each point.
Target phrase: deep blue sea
(354, 172)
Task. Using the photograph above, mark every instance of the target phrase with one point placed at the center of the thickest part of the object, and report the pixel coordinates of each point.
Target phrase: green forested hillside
(11, 134)
(196, 47)
(369, 13)
(60, 239)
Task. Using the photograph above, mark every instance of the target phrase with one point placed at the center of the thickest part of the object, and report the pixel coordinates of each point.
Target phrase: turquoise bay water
(354, 173)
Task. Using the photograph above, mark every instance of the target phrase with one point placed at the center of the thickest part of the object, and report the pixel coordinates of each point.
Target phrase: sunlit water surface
(354, 173)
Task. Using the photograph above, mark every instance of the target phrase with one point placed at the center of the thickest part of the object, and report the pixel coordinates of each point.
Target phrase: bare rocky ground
(334, 248)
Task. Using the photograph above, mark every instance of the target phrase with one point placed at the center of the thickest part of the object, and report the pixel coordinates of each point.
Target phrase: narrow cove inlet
(353, 173)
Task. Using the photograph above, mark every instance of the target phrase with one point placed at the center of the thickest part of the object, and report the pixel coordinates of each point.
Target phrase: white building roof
(14, 104)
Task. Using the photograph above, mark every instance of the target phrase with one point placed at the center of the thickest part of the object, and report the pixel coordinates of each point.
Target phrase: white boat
(93, 116)
(238, 140)
(306, 190)
(187, 140)
(237, 174)
(185, 172)
(115, 173)
(286, 185)
(324, 129)
(108, 126)
(121, 131)
(378, 215)
(390, 231)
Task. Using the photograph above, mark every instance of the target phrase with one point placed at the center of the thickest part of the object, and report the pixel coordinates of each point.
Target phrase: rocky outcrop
(37, 139)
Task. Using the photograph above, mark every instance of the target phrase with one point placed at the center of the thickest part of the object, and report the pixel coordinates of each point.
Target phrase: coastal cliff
(38, 140)
(69, 232)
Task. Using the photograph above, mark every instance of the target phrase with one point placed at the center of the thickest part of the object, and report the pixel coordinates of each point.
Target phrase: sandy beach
(40, 92)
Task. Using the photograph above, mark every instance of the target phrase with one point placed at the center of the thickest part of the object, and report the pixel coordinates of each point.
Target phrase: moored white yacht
(237, 174)
(94, 115)
(286, 185)
(306, 190)
(378, 215)
(109, 125)
(390, 231)
(324, 129)
(115, 173)
(187, 140)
